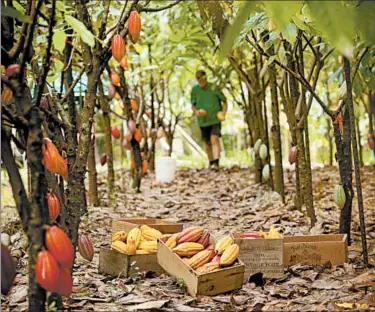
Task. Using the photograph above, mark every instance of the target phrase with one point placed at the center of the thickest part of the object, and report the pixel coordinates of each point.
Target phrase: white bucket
(165, 169)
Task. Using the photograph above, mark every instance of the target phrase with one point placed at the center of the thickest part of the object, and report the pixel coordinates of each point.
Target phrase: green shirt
(210, 100)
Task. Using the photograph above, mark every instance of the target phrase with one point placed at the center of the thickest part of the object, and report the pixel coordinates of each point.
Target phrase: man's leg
(215, 143)
(206, 133)
(208, 147)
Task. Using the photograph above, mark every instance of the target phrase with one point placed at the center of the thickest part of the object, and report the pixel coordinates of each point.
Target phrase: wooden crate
(115, 263)
(161, 225)
(315, 249)
(209, 284)
(261, 255)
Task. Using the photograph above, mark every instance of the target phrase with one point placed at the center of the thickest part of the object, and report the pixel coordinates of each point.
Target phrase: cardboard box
(209, 284)
(261, 255)
(115, 263)
(315, 249)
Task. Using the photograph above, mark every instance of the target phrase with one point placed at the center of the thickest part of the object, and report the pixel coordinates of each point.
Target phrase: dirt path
(222, 202)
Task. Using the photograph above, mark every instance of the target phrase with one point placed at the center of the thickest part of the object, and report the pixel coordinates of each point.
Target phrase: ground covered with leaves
(223, 202)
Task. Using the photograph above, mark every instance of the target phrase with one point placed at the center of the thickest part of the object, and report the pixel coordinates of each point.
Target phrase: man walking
(210, 106)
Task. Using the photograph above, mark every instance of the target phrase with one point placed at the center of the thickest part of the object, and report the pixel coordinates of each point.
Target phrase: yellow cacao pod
(119, 236)
(200, 259)
(120, 247)
(208, 267)
(171, 242)
(141, 252)
(131, 247)
(188, 249)
(230, 255)
(150, 234)
(149, 246)
(165, 237)
(134, 235)
(223, 244)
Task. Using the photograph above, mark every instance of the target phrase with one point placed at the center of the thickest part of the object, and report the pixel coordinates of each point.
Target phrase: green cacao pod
(263, 152)
(339, 196)
(257, 145)
(266, 172)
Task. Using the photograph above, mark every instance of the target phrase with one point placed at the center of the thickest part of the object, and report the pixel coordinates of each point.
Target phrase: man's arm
(194, 103)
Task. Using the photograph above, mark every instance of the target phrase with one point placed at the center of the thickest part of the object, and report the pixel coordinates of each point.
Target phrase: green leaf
(11, 12)
(231, 33)
(58, 39)
(60, 6)
(271, 59)
(290, 32)
(282, 13)
(81, 30)
(58, 65)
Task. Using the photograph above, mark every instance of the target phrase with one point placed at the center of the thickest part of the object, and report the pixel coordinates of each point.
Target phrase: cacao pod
(103, 159)
(251, 235)
(263, 152)
(126, 144)
(47, 271)
(60, 246)
(204, 239)
(171, 242)
(371, 142)
(124, 63)
(138, 134)
(220, 116)
(187, 249)
(142, 143)
(141, 252)
(120, 236)
(117, 96)
(273, 233)
(144, 166)
(223, 244)
(210, 247)
(3, 70)
(131, 248)
(191, 234)
(134, 105)
(202, 113)
(65, 284)
(200, 258)
(115, 132)
(257, 145)
(53, 206)
(6, 95)
(115, 79)
(135, 236)
(340, 122)
(339, 196)
(149, 233)
(216, 259)
(111, 91)
(44, 103)
(165, 237)
(292, 155)
(149, 246)
(85, 247)
(120, 247)
(52, 159)
(208, 267)
(266, 172)
(12, 69)
(230, 255)
(134, 26)
(8, 270)
(131, 126)
(118, 47)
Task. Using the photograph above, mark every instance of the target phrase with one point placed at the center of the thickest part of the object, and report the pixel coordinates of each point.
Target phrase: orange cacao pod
(53, 206)
(134, 26)
(200, 258)
(293, 155)
(191, 234)
(6, 95)
(65, 284)
(204, 239)
(8, 270)
(103, 159)
(124, 63)
(60, 246)
(118, 47)
(115, 79)
(138, 134)
(134, 105)
(111, 91)
(115, 132)
(52, 159)
(47, 271)
(85, 247)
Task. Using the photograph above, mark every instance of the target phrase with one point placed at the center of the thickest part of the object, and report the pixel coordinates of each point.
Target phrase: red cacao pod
(44, 102)
(134, 105)
(124, 63)
(134, 26)
(115, 132)
(65, 284)
(126, 144)
(131, 126)
(11, 69)
(8, 270)
(85, 247)
(53, 206)
(6, 95)
(371, 142)
(138, 134)
(118, 47)
(111, 91)
(60, 246)
(47, 271)
(292, 155)
(340, 122)
(144, 166)
(204, 239)
(115, 79)
(216, 259)
(103, 159)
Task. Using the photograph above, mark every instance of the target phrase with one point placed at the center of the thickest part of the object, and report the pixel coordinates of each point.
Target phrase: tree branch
(72, 86)
(107, 4)
(144, 9)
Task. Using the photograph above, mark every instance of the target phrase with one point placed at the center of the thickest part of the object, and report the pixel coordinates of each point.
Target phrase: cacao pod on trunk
(263, 152)
(131, 126)
(134, 105)
(257, 145)
(134, 26)
(65, 285)
(53, 206)
(60, 246)
(124, 63)
(118, 47)
(85, 247)
(115, 132)
(44, 102)
(11, 69)
(103, 159)
(47, 271)
(8, 270)
(138, 134)
(266, 172)
(371, 142)
(111, 91)
(52, 159)
(115, 79)
(6, 95)
(293, 155)
(339, 196)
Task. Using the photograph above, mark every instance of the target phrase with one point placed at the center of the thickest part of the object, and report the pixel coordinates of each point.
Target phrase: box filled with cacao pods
(261, 252)
(133, 246)
(207, 267)
(316, 249)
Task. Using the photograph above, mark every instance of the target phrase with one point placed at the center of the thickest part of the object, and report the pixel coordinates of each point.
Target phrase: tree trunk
(356, 160)
(93, 184)
(358, 135)
(330, 143)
